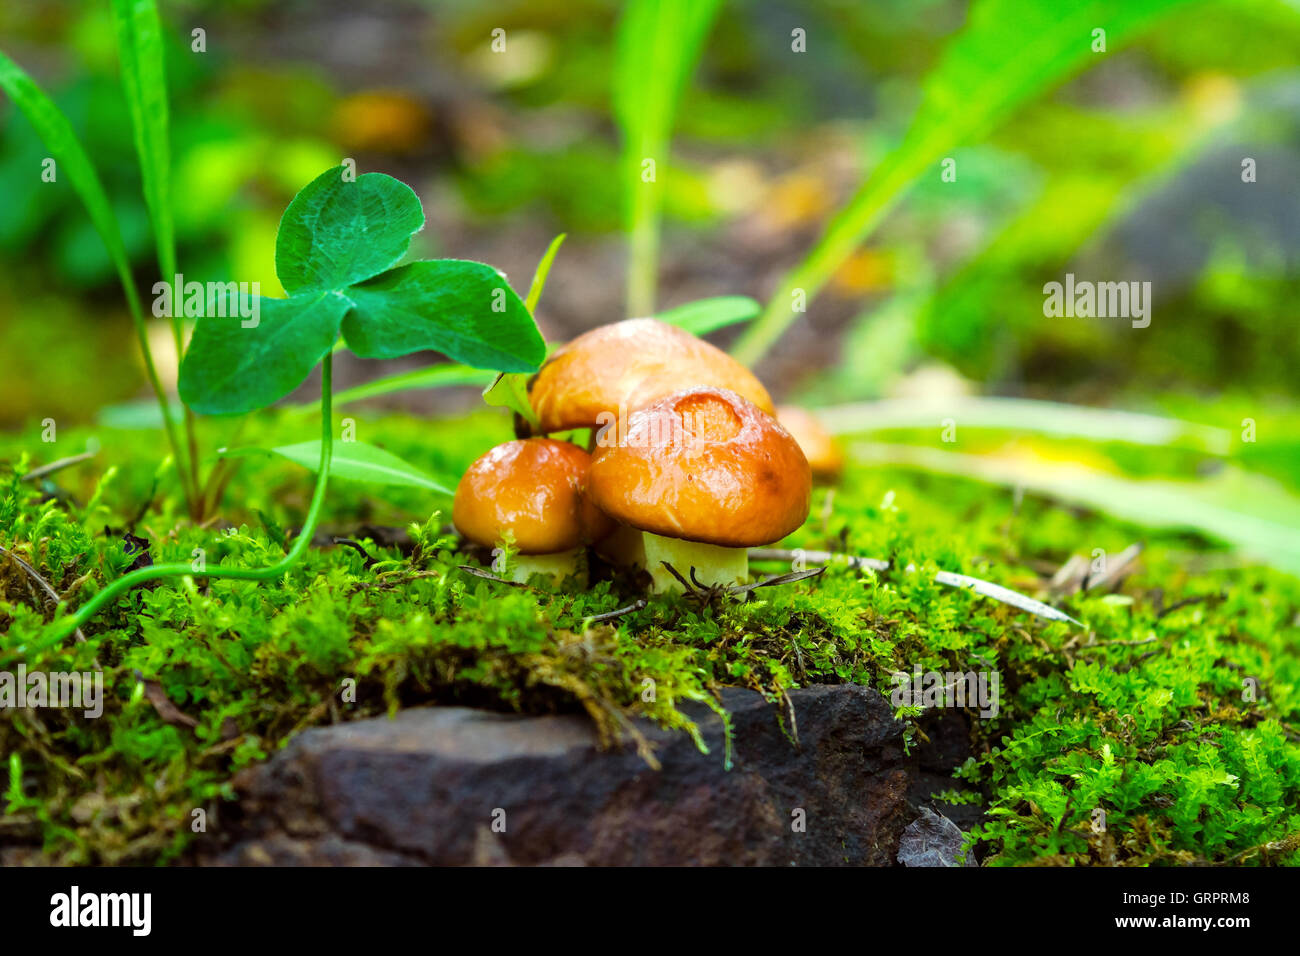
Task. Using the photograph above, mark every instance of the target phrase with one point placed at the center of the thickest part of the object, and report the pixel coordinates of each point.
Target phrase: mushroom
(534, 490)
(704, 474)
(614, 370)
(819, 446)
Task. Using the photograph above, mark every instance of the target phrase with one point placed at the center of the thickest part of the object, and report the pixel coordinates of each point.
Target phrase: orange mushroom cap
(535, 488)
(628, 366)
(704, 465)
(819, 446)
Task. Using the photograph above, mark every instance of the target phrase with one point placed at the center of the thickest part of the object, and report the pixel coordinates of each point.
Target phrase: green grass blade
(1010, 51)
(355, 460)
(657, 47)
(71, 159)
(708, 315)
(437, 376)
(543, 270)
(57, 134)
(1025, 415)
(1250, 512)
(144, 81)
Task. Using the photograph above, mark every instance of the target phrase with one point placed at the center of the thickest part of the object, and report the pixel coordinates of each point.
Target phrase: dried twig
(855, 561)
(617, 613)
(790, 578)
(44, 585)
(1102, 644)
(368, 560)
(1194, 599)
(169, 712)
(479, 573)
(1005, 595)
(57, 465)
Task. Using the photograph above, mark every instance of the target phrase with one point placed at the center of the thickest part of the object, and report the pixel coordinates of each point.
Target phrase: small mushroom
(618, 369)
(535, 489)
(704, 475)
(819, 446)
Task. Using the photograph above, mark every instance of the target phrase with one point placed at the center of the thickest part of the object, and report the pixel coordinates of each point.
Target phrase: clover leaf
(466, 310)
(339, 231)
(231, 368)
(339, 243)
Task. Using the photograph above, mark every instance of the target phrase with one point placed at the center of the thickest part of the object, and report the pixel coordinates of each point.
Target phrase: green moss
(1142, 716)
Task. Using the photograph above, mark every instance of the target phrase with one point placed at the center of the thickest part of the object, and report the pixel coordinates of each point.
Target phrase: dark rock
(452, 785)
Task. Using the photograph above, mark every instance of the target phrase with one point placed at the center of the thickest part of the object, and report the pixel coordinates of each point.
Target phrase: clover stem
(65, 626)
(713, 564)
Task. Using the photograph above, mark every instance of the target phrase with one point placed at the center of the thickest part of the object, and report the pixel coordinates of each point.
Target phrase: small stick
(367, 560)
(1101, 644)
(619, 612)
(1194, 599)
(855, 561)
(1114, 569)
(45, 586)
(468, 569)
(57, 465)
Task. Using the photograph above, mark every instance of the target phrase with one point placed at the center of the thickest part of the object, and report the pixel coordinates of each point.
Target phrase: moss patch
(1144, 716)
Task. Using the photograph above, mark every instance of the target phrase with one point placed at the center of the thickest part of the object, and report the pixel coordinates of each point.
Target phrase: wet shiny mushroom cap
(631, 365)
(535, 488)
(704, 465)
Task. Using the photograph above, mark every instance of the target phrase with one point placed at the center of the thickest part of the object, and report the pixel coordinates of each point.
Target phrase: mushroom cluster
(688, 465)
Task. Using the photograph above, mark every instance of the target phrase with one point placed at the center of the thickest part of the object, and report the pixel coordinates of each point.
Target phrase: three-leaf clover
(337, 255)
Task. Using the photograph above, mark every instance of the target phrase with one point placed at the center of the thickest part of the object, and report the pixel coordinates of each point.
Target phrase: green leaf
(657, 45)
(230, 369)
(1009, 51)
(465, 310)
(71, 159)
(539, 276)
(436, 376)
(1025, 415)
(511, 391)
(1251, 512)
(706, 315)
(336, 233)
(144, 81)
(362, 462)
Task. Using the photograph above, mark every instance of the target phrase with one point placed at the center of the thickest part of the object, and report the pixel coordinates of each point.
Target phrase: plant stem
(65, 626)
(151, 372)
(643, 265)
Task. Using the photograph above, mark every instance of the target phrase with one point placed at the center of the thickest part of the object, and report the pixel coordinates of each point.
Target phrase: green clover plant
(337, 254)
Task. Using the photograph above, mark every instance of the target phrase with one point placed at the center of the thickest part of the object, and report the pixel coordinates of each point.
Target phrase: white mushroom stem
(713, 564)
(556, 566)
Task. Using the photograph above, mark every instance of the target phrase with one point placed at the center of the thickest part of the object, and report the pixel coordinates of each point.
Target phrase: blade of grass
(1010, 51)
(658, 44)
(510, 389)
(57, 134)
(144, 83)
(543, 270)
(1022, 414)
(1247, 511)
(708, 315)
(437, 376)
